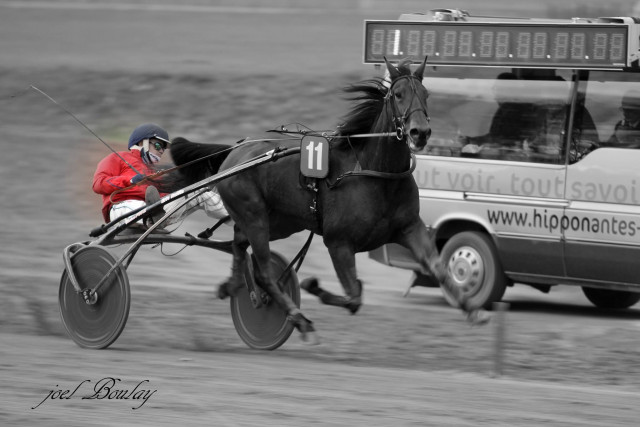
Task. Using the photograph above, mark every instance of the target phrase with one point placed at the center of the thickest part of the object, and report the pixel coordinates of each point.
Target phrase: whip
(84, 126)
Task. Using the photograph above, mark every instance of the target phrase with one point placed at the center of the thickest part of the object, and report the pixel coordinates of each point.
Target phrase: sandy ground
(415, 349)
(400, 361)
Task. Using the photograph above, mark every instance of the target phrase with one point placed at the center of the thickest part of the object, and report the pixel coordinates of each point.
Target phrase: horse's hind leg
(344, 263)
(423, 247)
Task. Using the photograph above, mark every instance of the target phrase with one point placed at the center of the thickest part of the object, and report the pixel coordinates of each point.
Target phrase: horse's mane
(369, 96)
(183, 151)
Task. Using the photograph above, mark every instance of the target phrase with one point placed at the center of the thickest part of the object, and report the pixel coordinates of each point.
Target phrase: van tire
(472, 260)
(607, 298)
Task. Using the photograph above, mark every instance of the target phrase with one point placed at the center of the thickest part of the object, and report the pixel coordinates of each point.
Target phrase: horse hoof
(353, 305)
(310, 285)
(305, 327)
(222, 291)
(310, 338)
(478, 317)
(227, 289)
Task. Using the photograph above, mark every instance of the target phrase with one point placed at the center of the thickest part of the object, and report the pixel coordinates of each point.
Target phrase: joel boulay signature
(107, 388)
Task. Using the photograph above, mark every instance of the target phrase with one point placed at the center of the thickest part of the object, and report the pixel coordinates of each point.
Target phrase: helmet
(148, 131)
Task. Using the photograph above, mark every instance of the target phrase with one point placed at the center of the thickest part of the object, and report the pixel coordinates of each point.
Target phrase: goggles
(159, 144)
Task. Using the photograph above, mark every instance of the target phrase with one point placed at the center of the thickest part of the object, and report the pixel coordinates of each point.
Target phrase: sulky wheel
(95, 325)
(265, 327)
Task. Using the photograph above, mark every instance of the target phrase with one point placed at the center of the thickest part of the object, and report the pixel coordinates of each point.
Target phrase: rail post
(500, 309)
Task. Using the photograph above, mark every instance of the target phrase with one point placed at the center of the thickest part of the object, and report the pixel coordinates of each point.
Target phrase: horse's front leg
(344, 263)
(239, 247)
(416, 238)
(259, 239)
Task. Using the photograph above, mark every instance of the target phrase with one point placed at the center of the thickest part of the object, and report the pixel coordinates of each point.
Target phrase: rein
(357, 171)
(166, 171)
(398, 120)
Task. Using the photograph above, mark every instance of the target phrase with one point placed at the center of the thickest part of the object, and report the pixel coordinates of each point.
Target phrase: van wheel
(606, 298)
(472, 261)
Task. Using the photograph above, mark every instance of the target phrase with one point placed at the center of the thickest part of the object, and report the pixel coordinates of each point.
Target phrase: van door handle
(516, 200)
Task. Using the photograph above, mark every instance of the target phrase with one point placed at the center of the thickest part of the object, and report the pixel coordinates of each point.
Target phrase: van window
(497, 113)
(614, 106)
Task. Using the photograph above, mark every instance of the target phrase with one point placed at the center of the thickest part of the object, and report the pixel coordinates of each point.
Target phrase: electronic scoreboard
(548, 44)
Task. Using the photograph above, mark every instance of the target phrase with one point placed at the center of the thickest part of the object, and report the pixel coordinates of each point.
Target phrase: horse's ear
(393, 71)
(420, 71)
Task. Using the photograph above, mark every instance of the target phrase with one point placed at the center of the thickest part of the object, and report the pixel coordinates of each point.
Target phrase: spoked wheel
(265, 327)
(473, 262)
(99, 323)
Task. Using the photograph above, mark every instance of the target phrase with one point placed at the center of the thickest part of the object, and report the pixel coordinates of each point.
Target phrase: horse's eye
(397, 95)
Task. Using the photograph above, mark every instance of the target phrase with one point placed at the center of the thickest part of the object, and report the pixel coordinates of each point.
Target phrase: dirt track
(247, 388)
(398, 362)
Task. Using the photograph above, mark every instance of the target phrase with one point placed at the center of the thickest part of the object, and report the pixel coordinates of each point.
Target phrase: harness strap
(375, 174)
(311, 185)
(299, 258)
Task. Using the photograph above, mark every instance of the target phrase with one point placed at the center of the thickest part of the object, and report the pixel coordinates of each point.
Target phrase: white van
(532, 173)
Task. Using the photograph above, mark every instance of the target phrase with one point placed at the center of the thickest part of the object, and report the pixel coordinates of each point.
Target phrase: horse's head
(408, 99)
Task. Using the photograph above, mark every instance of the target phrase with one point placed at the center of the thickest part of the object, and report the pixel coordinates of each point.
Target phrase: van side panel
(533, 257)
(601, 225)
(512, 201)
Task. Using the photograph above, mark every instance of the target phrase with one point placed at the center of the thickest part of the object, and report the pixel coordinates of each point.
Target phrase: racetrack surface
(244, 388)
(400, 361)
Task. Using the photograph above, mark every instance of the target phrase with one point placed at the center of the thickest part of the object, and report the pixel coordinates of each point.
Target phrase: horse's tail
(206, 159)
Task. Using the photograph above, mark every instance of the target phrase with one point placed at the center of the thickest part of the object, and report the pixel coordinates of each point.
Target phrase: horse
(369, 197)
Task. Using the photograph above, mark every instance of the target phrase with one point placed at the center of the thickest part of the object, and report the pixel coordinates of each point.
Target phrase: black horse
(369, 197)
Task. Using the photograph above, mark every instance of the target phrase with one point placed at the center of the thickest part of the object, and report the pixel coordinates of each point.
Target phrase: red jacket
(113, 174)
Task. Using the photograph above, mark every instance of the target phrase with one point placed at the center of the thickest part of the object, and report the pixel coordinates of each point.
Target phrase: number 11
(318, 150)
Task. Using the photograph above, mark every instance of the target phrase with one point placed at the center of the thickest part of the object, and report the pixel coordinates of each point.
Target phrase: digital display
(498, 44)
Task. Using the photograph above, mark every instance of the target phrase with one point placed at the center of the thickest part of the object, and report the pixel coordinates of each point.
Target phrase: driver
(627, 130)
(513, 122)
(119, 184)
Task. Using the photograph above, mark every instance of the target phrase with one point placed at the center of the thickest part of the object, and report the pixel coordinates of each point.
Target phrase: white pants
(210, 201)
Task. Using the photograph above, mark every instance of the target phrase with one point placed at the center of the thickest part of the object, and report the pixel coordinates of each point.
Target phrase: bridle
(400, 120)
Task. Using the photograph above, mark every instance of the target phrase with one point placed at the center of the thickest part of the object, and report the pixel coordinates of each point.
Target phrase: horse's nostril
(420, 135)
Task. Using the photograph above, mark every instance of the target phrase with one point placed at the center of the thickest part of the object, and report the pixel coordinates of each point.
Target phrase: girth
(311, 184)
(374, 174)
